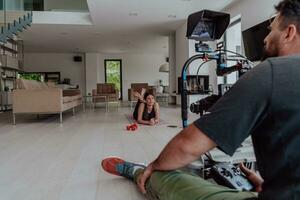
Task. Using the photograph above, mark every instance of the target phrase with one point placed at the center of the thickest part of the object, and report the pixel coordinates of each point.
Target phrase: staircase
(13, 18)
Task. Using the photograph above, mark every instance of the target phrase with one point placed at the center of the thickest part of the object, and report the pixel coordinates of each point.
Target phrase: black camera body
(201, 106)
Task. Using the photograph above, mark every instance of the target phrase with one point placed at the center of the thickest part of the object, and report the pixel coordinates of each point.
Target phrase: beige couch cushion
(30, 84)
(51, 84)
(67, 99)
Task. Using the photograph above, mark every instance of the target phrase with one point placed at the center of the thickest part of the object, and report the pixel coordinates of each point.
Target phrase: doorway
(113, 73)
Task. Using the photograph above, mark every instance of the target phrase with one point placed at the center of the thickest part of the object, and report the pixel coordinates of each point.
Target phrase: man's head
(284, 36)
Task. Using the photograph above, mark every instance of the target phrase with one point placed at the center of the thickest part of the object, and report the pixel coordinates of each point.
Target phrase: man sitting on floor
(264, 103)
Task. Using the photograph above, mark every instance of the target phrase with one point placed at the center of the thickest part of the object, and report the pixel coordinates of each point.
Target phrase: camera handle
(222, 69)
(184, 91)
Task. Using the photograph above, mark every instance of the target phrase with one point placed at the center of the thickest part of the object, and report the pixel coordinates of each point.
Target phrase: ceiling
(118, 26)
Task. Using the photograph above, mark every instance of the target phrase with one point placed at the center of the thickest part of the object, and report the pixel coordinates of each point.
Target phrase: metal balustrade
(15, 17)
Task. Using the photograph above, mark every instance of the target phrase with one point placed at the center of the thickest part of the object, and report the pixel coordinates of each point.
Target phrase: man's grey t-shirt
(264, 103)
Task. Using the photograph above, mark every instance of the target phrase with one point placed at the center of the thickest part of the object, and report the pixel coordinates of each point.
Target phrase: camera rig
(204, 26)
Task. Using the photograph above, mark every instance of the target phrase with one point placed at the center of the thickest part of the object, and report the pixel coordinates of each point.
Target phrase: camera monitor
(207, 25)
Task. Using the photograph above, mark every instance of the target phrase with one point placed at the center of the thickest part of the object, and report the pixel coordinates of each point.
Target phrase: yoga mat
(130, 118)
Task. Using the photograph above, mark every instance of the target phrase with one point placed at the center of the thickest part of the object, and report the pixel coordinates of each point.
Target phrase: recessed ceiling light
(133, 14)
(171, 16)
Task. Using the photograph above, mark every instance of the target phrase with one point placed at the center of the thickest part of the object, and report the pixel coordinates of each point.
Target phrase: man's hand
(143, 177)
(254, 178)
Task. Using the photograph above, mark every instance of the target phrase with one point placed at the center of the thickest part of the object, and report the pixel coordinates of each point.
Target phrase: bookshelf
(196, 84)
(11, 63)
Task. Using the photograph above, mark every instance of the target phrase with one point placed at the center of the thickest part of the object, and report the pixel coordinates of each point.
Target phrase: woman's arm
(140, 115)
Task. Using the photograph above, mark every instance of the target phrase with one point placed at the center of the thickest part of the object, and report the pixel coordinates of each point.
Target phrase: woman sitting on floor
(146, 110)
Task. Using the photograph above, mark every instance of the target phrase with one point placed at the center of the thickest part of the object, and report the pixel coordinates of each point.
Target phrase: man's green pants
(179, 185)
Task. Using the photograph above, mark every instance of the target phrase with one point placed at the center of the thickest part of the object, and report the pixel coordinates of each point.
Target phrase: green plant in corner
(31, 76)
(113, 73)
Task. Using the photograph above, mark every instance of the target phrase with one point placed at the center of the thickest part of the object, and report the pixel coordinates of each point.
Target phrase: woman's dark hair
(147, 94)
(289, 11)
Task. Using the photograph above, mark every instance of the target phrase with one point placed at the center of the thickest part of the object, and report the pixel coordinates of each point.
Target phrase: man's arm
(184, 148)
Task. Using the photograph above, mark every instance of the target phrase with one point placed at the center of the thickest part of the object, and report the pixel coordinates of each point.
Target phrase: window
(113, 73)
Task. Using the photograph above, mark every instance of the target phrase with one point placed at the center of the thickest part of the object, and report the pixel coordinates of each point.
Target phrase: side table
(93, 103)
(113, 101)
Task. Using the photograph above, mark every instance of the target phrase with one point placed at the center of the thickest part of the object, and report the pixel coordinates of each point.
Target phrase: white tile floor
(41, 159)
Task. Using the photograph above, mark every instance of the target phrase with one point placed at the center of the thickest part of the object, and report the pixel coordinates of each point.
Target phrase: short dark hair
(289, 11)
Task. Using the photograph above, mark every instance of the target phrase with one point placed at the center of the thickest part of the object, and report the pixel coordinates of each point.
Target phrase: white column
(91, 71)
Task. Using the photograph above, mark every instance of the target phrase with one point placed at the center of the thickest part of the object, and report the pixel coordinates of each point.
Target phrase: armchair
(105, 89)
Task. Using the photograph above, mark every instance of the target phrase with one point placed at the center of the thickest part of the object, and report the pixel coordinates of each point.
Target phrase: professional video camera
(205, 26)
(209, 26)
(199, 107)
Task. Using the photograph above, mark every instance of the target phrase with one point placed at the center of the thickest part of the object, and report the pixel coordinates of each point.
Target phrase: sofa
(33, 97)
(105, 89)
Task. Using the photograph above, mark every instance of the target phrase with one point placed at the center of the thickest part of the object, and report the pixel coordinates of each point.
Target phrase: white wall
(136, 68)
(252, 11)
(172, 63)
(182, 51)
(63, 63)
(91, 71)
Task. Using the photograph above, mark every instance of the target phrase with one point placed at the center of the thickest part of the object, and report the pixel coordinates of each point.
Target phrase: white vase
(159, 89)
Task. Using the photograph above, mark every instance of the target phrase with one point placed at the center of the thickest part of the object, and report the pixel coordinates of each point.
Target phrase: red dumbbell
(134, 125)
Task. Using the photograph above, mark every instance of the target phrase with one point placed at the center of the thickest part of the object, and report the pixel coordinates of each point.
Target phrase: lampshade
(164, 67)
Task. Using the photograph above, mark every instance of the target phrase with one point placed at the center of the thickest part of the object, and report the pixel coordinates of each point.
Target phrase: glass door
(113, 73)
